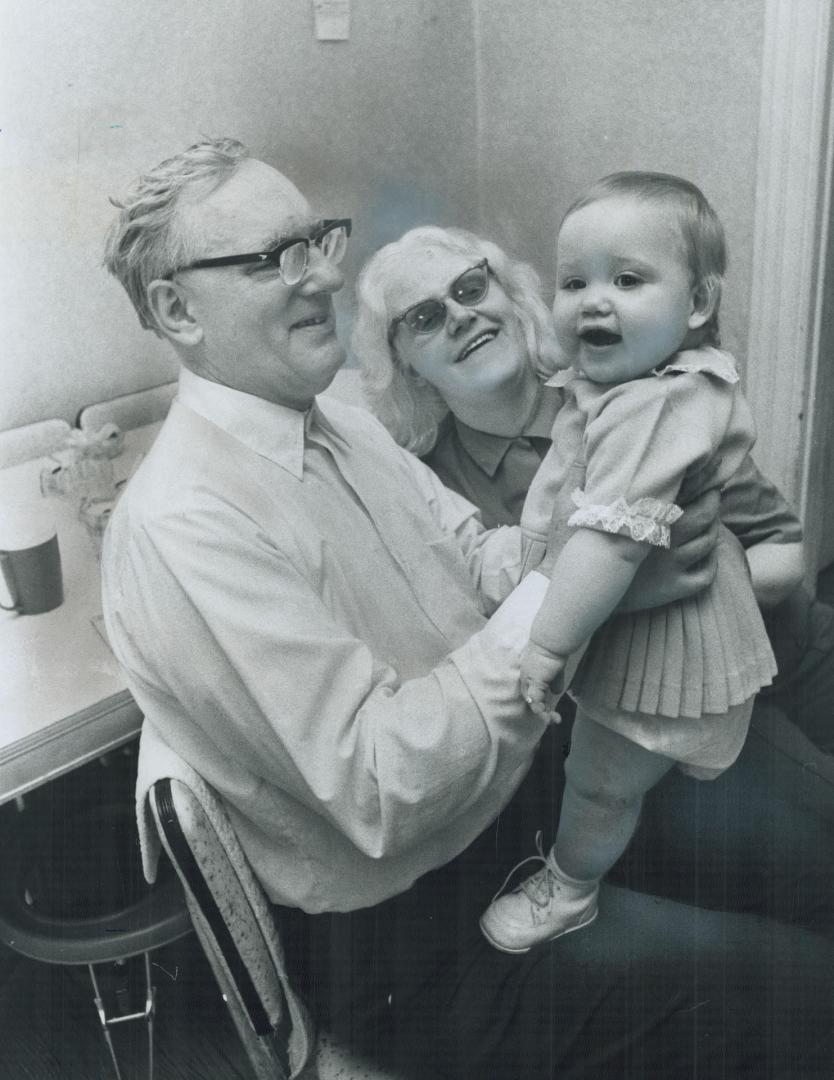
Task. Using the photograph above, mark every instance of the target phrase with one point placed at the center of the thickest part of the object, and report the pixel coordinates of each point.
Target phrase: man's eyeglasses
(291, 257)
(426, 316)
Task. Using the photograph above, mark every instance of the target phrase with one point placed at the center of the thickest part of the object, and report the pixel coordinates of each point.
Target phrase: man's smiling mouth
(599, 337)
(476, 343)
(313, 320)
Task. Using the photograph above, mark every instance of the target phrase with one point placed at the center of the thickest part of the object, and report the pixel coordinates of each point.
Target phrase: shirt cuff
(509, 627)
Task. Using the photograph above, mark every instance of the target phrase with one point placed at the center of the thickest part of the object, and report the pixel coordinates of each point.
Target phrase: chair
(236, 926)
(129, 410)
(31, 441)
(75, 895)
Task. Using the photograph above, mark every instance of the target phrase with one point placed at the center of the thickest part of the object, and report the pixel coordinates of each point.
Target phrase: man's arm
(252, 652)
(493, 557)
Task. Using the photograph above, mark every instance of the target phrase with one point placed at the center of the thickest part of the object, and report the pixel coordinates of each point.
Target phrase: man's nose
(322, 274)
(458, 316)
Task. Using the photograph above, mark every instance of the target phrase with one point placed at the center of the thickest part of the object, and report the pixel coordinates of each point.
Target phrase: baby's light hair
(144, 242)
(702, 233)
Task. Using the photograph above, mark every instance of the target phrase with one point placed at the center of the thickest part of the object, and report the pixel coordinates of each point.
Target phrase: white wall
(488, 113)
(571, 91)
(378, 127)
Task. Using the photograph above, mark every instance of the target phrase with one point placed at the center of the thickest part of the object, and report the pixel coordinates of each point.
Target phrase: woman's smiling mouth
(476, 343)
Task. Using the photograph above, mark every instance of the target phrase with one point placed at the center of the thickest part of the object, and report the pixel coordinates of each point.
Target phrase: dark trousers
(655, 988)
(801, 631)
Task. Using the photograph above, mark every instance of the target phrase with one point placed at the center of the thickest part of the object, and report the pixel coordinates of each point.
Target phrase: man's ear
(169, 303)
(705, 297)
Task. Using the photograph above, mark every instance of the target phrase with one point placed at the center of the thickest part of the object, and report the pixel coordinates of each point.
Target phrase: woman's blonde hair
(410, 407)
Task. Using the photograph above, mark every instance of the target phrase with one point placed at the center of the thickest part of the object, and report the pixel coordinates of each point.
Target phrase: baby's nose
(596, 300)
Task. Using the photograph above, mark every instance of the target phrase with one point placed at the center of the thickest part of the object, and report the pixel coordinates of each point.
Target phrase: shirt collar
(273, 431)
(488, 451)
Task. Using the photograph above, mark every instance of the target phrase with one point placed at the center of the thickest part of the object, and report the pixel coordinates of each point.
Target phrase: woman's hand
(684, 569)
(776, 571)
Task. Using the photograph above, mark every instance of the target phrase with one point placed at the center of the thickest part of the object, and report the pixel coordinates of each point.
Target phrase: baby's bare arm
(590, 576)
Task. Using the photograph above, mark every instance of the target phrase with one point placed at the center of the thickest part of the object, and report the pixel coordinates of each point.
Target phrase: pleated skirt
(695, 656)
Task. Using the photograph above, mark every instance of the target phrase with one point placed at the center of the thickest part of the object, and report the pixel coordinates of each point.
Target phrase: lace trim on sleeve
(647, 519)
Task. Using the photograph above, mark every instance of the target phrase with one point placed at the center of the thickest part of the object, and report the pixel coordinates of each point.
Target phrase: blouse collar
(488, 451)
(706, 360)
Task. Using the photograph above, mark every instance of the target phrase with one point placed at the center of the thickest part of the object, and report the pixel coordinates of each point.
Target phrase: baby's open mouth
(598, 336)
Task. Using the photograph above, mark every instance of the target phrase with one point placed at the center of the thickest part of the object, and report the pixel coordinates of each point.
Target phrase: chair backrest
(236, 928)
(32, 441)
(129, 410)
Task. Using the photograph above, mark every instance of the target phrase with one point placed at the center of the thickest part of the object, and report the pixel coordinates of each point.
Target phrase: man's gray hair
(145, 242)
(409, 407)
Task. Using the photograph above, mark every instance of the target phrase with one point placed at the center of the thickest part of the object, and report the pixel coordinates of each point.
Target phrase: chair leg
(150, 1010)
(147, 1015)
(105, 1023)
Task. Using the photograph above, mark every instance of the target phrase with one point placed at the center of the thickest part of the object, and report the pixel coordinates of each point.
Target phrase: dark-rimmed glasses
(291, 257)
(426, 316)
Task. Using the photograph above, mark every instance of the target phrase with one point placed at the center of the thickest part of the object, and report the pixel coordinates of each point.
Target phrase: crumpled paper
(82, 472)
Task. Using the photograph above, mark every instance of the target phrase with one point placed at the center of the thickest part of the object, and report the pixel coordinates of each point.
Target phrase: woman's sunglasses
(426, 316)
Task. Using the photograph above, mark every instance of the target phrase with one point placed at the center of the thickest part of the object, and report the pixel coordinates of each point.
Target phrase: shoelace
(538, 888)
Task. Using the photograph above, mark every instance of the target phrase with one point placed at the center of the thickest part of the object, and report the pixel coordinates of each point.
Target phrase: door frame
(786, 384)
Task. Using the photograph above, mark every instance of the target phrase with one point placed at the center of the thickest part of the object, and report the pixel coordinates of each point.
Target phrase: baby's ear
(705, 297)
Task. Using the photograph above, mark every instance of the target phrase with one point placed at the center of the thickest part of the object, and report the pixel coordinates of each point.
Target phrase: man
(301, 612)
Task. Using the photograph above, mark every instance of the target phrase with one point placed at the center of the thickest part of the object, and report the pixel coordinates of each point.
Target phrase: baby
(650, 403)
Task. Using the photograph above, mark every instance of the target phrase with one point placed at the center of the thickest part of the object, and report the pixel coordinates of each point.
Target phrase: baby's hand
(542, 680)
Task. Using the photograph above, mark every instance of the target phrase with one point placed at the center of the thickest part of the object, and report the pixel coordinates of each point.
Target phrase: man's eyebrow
(295, 230)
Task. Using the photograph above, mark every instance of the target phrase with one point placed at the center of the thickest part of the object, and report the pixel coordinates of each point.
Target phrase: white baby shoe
(545, 906)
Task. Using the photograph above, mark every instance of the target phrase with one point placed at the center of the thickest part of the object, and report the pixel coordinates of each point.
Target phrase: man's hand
(687, 567)
(542, 680)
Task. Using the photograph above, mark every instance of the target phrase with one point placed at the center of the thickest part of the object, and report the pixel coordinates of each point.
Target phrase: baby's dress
(620, 454)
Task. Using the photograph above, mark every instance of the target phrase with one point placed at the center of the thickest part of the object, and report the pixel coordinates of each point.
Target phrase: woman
(471, 420)
(451, 358)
